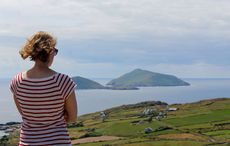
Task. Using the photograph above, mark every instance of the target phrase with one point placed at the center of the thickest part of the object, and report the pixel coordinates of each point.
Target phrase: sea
(99, 99)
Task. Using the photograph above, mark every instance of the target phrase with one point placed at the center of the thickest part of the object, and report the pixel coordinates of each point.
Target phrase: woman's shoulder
(64, 75)
(14, 82)
(17, 77)
(21, 76)
(67, 78)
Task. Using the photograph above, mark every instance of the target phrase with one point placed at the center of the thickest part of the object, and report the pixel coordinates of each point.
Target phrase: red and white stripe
(42, 105)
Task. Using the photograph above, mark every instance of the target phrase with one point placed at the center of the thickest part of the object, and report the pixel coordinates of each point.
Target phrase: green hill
(83, 83)
(200, 123)
(203, 123)
(144, 78)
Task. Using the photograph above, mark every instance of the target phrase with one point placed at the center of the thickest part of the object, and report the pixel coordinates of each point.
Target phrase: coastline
(2, 133)
(11, 127)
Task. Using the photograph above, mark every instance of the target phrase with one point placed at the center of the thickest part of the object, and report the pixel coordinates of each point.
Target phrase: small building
(103, 116)
(148, 111)
(172, 109)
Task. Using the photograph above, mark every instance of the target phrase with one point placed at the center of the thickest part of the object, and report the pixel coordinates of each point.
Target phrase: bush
(91, 134)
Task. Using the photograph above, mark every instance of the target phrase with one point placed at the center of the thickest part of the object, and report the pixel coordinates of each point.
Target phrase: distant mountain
(83, 83)
(144, 78)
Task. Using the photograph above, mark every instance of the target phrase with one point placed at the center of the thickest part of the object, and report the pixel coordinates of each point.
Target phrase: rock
(141, 122)
(148, 130)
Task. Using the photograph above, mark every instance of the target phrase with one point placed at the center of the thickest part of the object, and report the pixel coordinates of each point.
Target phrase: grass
(168, 143)
(223, 135)
(212, 116)
(207, 122)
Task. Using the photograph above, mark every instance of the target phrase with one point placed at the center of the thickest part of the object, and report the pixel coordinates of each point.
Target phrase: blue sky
(106, 38)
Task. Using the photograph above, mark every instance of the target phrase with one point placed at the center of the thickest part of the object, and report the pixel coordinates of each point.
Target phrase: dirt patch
(182, 136)
(95, 139)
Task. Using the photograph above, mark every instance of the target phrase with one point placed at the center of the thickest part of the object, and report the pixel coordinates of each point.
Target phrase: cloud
(100, 37)
(195, 70)
(117, 18)
(112, 70)
(11, 63)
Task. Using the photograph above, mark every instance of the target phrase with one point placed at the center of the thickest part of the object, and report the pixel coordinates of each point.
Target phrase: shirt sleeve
(13, 85)
(69, 87)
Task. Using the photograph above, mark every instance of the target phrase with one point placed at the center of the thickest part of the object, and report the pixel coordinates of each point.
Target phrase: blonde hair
(38, 46)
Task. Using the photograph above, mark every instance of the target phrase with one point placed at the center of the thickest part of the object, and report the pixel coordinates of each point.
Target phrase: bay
(100, 99)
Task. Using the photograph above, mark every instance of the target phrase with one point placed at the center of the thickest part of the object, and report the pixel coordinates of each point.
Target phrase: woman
(44, 98)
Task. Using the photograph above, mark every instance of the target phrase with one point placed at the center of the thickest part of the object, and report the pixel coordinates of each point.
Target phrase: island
(84, 83)
(144, 78)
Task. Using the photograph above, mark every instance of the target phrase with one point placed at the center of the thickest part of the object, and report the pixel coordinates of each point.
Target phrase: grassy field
(204, 123)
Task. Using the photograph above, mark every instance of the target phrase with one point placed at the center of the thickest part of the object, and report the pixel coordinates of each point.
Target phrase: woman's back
(45, 99)
(42, 105)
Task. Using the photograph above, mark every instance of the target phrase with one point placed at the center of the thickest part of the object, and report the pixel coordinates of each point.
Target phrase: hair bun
(36, 44)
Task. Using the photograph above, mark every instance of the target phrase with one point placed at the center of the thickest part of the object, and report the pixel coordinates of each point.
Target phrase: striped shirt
(41, 101)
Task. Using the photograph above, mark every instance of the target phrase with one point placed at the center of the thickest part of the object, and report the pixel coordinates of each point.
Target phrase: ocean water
(1, 133)
(97, 100)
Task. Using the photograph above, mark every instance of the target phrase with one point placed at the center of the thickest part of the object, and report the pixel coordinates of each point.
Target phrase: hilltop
(144, 78)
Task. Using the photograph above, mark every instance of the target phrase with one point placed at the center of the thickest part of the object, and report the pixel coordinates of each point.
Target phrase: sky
(107, 38)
